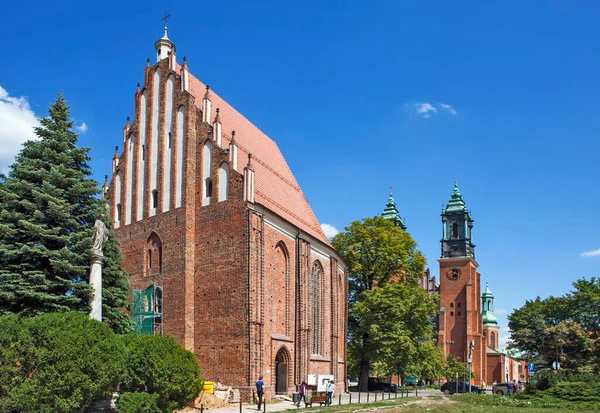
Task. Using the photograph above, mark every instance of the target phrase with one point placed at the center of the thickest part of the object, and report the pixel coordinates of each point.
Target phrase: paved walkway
(346, 398)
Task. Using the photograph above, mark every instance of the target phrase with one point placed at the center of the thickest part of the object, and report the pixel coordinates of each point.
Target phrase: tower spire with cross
(164, 46)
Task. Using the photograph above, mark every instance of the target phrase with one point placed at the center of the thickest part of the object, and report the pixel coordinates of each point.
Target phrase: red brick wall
(235, 290)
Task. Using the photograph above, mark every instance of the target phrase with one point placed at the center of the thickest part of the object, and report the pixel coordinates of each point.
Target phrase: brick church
(466, 324)
(223, 249)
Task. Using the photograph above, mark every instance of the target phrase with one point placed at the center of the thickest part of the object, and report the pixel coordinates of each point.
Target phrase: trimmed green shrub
(56, 362)
(158, 364)
(576, 392)
(138, 403)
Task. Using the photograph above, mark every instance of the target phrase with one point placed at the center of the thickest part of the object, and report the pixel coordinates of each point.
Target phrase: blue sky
(361, 96)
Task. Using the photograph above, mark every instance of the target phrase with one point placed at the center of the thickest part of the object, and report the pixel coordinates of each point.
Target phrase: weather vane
(166, 17)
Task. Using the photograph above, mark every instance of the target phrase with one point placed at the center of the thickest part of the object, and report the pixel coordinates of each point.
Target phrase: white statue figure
(100, 237)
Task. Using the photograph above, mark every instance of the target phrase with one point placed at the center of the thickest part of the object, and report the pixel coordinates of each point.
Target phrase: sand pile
(209, 401)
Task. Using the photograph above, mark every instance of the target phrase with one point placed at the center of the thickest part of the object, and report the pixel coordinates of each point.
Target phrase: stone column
(96, 283)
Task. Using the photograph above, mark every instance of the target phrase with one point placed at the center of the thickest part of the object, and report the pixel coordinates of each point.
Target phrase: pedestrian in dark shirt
(302, 394)
(260, 384)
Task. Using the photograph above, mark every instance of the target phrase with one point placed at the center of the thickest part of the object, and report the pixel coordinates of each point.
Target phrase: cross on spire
(165, 18)
(391, 187)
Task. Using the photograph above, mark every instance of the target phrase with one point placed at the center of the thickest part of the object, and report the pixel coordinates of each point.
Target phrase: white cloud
(594, 253)
(17, 121)
(424, 110)
(329, 230)
(449, 108)
(498, 312)
(81, 128)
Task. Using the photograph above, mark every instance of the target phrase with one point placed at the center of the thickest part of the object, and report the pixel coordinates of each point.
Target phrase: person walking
(302, 394)
(330, 390)
(260, 384)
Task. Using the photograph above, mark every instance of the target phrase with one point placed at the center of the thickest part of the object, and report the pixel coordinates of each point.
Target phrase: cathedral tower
(490, 322)
(460, 325)
(391, 213)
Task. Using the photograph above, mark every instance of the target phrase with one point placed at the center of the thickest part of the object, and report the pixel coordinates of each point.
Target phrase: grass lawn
(460, 404)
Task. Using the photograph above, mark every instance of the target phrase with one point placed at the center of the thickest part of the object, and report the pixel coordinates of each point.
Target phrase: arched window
(141, 156)
(493, 340)
(455, 230)
(224, 182)
(153, 255)
(167, 153)
(180, 145)
(283, 292)
(154, 198)
(208, 188)
(118, 188)
(207, 172)
(316, 285)
(129, 180)
(152, 155)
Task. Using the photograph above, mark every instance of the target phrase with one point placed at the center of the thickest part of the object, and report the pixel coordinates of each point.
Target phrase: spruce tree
(48, 205)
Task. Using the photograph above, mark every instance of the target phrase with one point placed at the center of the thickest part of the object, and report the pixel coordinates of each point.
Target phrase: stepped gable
(276, 186)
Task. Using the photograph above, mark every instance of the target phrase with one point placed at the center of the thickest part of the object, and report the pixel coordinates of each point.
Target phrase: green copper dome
(391, 213)
(456, 204)
(487, 301)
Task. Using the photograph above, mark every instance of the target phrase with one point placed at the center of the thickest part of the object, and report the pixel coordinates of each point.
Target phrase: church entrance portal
(281, 371)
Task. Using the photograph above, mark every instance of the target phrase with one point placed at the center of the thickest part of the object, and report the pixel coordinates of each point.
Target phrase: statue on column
(98, 241)
(100, 237)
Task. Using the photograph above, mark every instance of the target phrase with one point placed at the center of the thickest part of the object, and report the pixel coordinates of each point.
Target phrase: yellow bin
(209, 387)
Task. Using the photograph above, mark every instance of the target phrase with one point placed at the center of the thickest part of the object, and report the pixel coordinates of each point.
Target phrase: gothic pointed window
(207, 172)
(154, 198)
(317, 308)
(208, 188)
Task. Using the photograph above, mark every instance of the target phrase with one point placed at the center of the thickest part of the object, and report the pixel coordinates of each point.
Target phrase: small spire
(217, 119)
(391, 187)
(138, 86)
(116, 149)
(105, 179)
(184, 60)
(147, 62)
(165, 37)
(249, 160)
(232, 136)
(207, 94)
(128, 119)
(456, 182)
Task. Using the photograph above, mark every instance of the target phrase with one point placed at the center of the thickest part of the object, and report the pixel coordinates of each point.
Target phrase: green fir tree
(48, 205)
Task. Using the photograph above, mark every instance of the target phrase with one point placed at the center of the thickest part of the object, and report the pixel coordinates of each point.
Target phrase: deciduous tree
(389, 313)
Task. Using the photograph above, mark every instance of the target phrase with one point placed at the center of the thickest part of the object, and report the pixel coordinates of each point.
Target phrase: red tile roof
(275, 185)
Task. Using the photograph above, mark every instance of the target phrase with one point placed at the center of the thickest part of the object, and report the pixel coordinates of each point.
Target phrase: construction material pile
(226, 393)
(209, 401)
